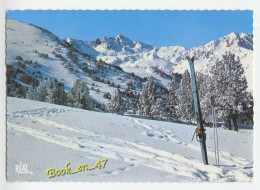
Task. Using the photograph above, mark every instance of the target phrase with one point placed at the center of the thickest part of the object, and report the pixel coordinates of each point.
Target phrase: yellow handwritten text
(51, 172)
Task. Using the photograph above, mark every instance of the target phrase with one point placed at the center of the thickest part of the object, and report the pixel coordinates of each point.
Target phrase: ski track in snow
(30, 123)
(162, 132)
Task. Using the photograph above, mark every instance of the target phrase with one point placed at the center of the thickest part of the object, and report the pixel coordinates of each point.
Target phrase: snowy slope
(46, 136)
(23, 39)
(30, 42)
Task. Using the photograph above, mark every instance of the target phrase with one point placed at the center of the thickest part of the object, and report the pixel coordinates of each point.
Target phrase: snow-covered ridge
(34, 53)
(132, 56)
(140, 57)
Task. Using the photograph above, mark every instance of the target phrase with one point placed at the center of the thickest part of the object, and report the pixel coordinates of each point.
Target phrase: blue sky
(160, 28)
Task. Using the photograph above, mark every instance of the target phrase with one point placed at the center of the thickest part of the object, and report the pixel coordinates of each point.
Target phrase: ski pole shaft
(215, 145)
(216, 135)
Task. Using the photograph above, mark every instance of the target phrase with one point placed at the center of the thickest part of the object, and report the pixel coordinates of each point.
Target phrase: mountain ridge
(68, 59)
(136, 56)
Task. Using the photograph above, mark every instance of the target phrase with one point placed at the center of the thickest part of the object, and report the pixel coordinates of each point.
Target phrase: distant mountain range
(131, 61)
(141, 58)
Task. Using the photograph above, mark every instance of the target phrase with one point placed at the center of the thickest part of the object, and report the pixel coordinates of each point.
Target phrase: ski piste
(200, 131)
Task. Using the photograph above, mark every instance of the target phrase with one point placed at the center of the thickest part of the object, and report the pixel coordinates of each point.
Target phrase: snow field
(137, 149)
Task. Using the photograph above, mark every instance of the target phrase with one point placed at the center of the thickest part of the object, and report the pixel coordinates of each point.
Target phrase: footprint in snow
(81, 146)
(150, 134)
(108, 172)
(122, 169)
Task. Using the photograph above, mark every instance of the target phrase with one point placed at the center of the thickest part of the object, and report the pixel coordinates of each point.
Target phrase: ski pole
(214, 130)
(216, 136)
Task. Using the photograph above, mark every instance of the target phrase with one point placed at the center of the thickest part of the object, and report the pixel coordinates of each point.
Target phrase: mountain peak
(104, 39)
(68, 39)
(124, 41)
(242, 40)
(246, 35)
(96, 42)
(233, 35)
(121, 37)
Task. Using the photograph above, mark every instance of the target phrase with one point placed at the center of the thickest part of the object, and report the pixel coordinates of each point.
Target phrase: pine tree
(78, 96)
(156, 110)
(185, 98)
(147, 98)
(55, 92)
(117, 104)
(170, 102)
(203, 84)
(50, 91)
(248, 105)
(230, 87)
(31, 93)
(237, 87)
(41, 92)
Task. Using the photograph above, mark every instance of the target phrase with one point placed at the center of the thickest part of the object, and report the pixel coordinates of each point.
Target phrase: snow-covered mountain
(34, 53)
(138, 149)
(138, 57)
(239, 44)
